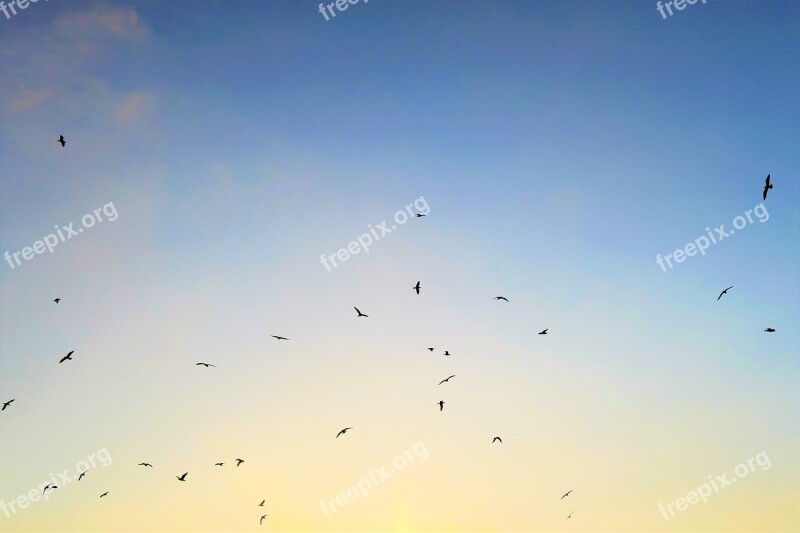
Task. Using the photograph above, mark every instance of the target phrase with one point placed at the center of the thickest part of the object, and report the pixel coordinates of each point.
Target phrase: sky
(219, 154)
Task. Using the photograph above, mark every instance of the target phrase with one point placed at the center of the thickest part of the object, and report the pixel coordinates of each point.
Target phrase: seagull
(67, 357)
(239, 461)
(205, 365)
(279, 338)
(724, 292)
(61, 140)
(767, 186)
(419, 215)
(82, 474)
(416, 287)
(544, 331)
(262, 519)
(6, 404)
(49, 486)
(570, 516)
(104, 494)
(446, 380)
(342, 432)
(497, 438)
(768, 330)
(57, 300)
(441, 405)
(262, 503)
(145, 464)
(219, 464)
(567, 494)
(359, 312)
(446, 352)
(182, 478)
(501, 298)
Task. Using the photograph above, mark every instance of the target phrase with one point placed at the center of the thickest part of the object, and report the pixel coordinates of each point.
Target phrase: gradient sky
(560, 147)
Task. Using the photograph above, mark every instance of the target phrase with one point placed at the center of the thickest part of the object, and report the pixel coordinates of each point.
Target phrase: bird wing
(767, 184)
(357, 311)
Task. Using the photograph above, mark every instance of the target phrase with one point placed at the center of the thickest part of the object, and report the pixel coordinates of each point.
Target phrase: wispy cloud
(28, 98)
(102, 22)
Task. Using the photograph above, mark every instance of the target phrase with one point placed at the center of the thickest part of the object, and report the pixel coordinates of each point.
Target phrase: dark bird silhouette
(446, 380)
(767, 186)
(501, 298)
(239, 461)
(205, 365)
(420, 215)
(262, 503)
(81, 476)
(280, 338)
(62, 141)
(67, 357)
(262, 518)
(497, 438)
(219, 464)
(724, 292)
(57, 300)
(431, 349)
(768, 330)
(49, 486)
(342, 432)
(6, 404)
(183, 477)
(570, 516)
(416, 287)
(446, 352)
(359, 312)
(441, 405)
(544, 331)
(146, 464)
(567, 494)
(104, 494)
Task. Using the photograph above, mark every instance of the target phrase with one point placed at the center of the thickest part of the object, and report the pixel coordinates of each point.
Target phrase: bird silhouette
(262, 519)
(567, 494)
(441, 406)
(219, 464)
(280, 338)
(104, 494)
(544, 331)
(767, 187)
(239, 461)
(49, 486)
(446, 352)
(446, 380)
(81, 476)
(420, 215)
(342, 432)
(6, 404)
(501, 298)
(768, 330)
(62, 141)
(183, 477)
(724, 292)
(57, 300)
(416, 287)
(497, 438)
(145, 464)
(570, 516)
(67, 357)
(262, 503)
(205, 365)
(431, 349)
(359, 312)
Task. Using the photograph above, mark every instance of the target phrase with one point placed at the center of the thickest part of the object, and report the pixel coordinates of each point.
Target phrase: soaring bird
(767, 186)
(447, 352)
(67, 357)
(565, 495)
(145, 464)
(82, 474)
(104, 494)
(57, 300)
(544, 331)
(280, 338)
(441, 405)
(501, 298)
(431, 349)
(262, 518)
(49, 486)
(416, 287)
(359, 312)
(219, 464)
(239, 461)
(420, 215)
(62, 141)
(262, 503)
(183, 477)
(6, 404)
(205, 365)
(768, 330)
(446, 380)
(497, 438)
(342, 432)
(724, 292)
(570, 516)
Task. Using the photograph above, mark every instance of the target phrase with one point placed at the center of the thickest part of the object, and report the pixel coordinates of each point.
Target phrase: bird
(145, 464)
(359, 312)
(416, 287)
(431, 349)
(441, 405)
(342, 432)
(544, 331)
(62, 141)
(570, 516)
(724, 292)
(262, 519)
(567, 494)
(183, 477)
(420, 215)
(280, 338)
(262, 503)
(768, 330)
(6, 404)
(501, 298)
(219, 464)
(82, 474)
(497, 438)
(49, 486)
(239, 461)
(767, 186)
(205, 365)
(57, 300)
(446, 352)
(104, 494)
(446, 380)
(67, 357)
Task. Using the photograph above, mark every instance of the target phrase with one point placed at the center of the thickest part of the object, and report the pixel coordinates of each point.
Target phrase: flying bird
(544, 331)
(205, 365)
(262, 503)
(280, 338)
(57, 300)
(446, 352)
(567, 494)
(219, 464)
(6, 404)
(446, 380)
(768, 330)
(183, 477)
(419, 215)
(67, 357)
(104, 494)
(501, 298)
(431, 349)
(145, 464)
(416, 287)
(724, 292)
(49, 486)
(359, 312)
(497, 438)
(82, 474)
(262, 519)
(441, 406)
(767, 186)
(62, 141)
(570, 516)
(342, 432)
(239, 461)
